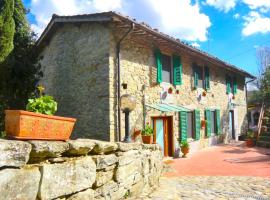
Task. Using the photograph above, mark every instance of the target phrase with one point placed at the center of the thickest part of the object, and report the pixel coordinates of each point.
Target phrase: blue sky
(229, 29)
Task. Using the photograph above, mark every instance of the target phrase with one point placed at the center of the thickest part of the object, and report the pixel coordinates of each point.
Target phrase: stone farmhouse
(90, 60)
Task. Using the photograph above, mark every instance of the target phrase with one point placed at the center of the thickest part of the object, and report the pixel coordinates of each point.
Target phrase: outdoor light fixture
(127, 104)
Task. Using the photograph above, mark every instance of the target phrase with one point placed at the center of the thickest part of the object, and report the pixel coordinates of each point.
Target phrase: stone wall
(77, 169)
(75, 65)
(138, 70)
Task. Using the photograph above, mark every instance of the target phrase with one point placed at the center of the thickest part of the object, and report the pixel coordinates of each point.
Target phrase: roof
(124, 22)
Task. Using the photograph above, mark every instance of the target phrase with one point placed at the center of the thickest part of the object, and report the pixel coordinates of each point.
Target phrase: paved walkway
(211, 188)
(225, 160)
(231, 172)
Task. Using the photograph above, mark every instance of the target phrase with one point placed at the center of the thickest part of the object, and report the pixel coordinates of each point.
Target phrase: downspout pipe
(247, 94)
(118, 49)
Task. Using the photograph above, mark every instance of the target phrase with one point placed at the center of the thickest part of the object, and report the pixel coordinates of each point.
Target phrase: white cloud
(222, 5)
(195, 44)
(255, 23)
(236, 16)
(254, 4)
(179, 18)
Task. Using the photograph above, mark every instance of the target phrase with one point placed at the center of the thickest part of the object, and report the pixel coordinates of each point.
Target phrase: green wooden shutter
(218, 122)
(197, 124)
(208, 122)
(235, 85)
(207, 78)
(183, 125)
(195, 75)
(228, 85)
(177, 70)
(159, 65)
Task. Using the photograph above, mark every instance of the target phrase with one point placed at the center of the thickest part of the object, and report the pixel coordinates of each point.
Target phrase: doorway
(232, 124)
(163, 134)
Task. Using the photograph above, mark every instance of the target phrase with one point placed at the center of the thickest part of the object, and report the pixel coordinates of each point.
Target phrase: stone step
(263, 144)
(264, 138)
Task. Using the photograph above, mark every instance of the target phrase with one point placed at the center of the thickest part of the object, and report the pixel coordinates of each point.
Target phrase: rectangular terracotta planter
(20, 124)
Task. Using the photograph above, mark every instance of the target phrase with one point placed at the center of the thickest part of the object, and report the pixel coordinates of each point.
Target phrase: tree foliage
(7, 28)
(20, 69)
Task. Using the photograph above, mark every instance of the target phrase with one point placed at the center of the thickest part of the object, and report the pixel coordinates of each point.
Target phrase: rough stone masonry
(79, 169)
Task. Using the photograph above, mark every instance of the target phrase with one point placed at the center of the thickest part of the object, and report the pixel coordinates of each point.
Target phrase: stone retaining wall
(77, 169)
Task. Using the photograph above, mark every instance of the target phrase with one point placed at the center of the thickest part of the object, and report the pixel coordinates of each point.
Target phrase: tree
(7, 26)
(21, 70)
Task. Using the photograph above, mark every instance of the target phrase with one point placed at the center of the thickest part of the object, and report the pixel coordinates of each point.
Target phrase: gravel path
(211, 188)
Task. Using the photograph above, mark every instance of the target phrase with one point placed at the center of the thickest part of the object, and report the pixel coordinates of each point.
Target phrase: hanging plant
(177, 91)
(170, 90)
(204, 93)
(233, 97)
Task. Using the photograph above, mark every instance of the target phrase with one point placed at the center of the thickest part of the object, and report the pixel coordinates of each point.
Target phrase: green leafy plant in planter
(147, 134)
(44, 104)
(250, 139)
(184, 145)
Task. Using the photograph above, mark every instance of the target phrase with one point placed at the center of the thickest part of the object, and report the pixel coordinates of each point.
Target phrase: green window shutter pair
(183, 125)
(207, 78)
(197, 124)
(177, 70)
(235, 85)
(159, 65)
(195, 75)
(218, 122)
(228, 84)
(208, 122)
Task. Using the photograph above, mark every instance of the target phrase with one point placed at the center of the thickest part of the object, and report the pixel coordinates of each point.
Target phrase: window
(231, 85)
(166, 68)
(169, 68)
(201, 77)
(212, 118)
(213, 122)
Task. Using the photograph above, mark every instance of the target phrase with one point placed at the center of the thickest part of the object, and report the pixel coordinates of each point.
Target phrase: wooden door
(163, 134)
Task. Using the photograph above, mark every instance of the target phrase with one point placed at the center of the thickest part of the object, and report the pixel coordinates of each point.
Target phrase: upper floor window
(166, 68)
(201, 77)
(231, 85)
(169, 68)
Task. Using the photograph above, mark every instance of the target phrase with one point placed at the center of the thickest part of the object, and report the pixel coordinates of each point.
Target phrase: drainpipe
(246, 93)
(118, 48)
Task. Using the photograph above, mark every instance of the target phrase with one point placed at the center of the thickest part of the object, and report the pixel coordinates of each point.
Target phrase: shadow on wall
(73, 79)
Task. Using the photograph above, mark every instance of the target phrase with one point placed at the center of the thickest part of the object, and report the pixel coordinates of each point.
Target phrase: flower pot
(136, 134)
(26, 125)
(249, 142)
(184, 151)
(147, 139)
(204, 93)
(203, 124)
(170, 90)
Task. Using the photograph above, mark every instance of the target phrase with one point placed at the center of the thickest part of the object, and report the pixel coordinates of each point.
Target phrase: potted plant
(203, 124)
(177, 92)
(204, 93)
(184, 145)
(147, 134)
(38, 122)
(250, 138)
(170, 90)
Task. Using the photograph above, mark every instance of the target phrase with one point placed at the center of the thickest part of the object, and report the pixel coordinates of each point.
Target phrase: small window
(166, 68)
(190, 125)
(200, 77)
